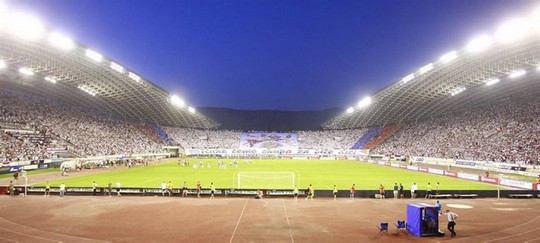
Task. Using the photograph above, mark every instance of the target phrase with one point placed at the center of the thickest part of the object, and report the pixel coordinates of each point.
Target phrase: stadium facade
(487, 69)
(38, 60)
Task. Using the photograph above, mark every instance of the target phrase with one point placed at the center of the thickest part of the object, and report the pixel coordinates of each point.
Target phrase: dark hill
(269, 120)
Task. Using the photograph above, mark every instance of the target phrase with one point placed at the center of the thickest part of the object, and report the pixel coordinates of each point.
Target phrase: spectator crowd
(83, 132)
(508, 131)
(30, 125)
(230, 139)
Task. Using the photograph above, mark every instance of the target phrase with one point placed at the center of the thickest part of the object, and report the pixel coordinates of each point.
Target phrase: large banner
(262, 140)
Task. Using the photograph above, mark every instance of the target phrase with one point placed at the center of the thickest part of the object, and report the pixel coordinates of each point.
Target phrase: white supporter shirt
(451, 216)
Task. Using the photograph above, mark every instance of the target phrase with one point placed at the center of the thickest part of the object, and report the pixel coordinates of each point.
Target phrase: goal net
(266, 180)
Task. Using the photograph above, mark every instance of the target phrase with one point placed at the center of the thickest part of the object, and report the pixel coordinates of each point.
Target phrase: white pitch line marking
(239, 218)
(515, 226)
(510, 236)
(54, 233)
(535, 239)
(8, 239)
(27, 235)
(287, 217)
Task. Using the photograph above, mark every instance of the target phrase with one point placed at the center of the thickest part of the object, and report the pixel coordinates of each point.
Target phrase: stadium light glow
(3, 14)
(426, 68)
(448, 57)
(60, 41)
(512, 30)
(364, 102)
(26, 71)
(536, 19)
(50, 79)
(191, 109)
(492, 81)
(538, 68)
(94, 55)
(25, 26)
(479, 43)
(2, 64)
(517, 73)
(457, 91)
(408, 78)
(117, 67)
(175, 100)
(87, 90)
(135, 77)
(350, 110)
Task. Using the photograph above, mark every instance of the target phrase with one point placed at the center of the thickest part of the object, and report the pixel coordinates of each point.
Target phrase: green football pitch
(322, 174)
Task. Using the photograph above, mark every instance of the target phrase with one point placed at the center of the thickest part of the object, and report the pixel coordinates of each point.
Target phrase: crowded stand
(83, 132)
(329, 139)
(508, 131)
(230, 139)
(31, 126)
(190, 138)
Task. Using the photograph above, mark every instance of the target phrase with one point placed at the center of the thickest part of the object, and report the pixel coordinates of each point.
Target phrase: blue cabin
(423, 220)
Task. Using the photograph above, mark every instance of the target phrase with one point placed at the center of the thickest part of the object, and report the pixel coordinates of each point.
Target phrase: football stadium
(92, 151)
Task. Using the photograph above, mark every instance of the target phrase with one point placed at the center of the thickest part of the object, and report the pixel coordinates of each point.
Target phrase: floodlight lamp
(94, 55)
(2, 64)
(117, 67)
(517, 73)
(350, 110)
(512, 30)
(26, 71)
(175, 100)
(426, 68)
(457, 91)
(60, 41)
(25, 26)
(88, 90)
(135, 77)
(448, 57)
(191, 109)
(408, 78)
(50, 79)
(479, 43)
(492, 81)
(364, 102)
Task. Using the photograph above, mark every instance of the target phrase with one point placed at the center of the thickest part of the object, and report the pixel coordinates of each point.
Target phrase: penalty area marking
(460, 206)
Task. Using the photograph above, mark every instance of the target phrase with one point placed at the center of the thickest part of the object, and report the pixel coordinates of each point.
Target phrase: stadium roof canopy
(487, 69)
(37, 60)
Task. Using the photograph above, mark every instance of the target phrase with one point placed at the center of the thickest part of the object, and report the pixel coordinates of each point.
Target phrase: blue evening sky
(262, 54)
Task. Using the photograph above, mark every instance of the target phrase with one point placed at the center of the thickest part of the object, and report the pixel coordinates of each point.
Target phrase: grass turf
(322, 174)
(31, 172)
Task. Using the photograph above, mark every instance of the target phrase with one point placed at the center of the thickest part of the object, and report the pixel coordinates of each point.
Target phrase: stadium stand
(366, 138)
(507, 131)
(230, 139)
(160, 133)
(57, 125)
(329, 139)
(386, 132)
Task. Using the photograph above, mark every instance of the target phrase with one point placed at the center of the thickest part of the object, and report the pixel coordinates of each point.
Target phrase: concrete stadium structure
(487, 69)
(38, 60)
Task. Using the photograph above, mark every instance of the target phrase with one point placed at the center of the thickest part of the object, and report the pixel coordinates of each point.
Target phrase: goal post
(266, 180)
